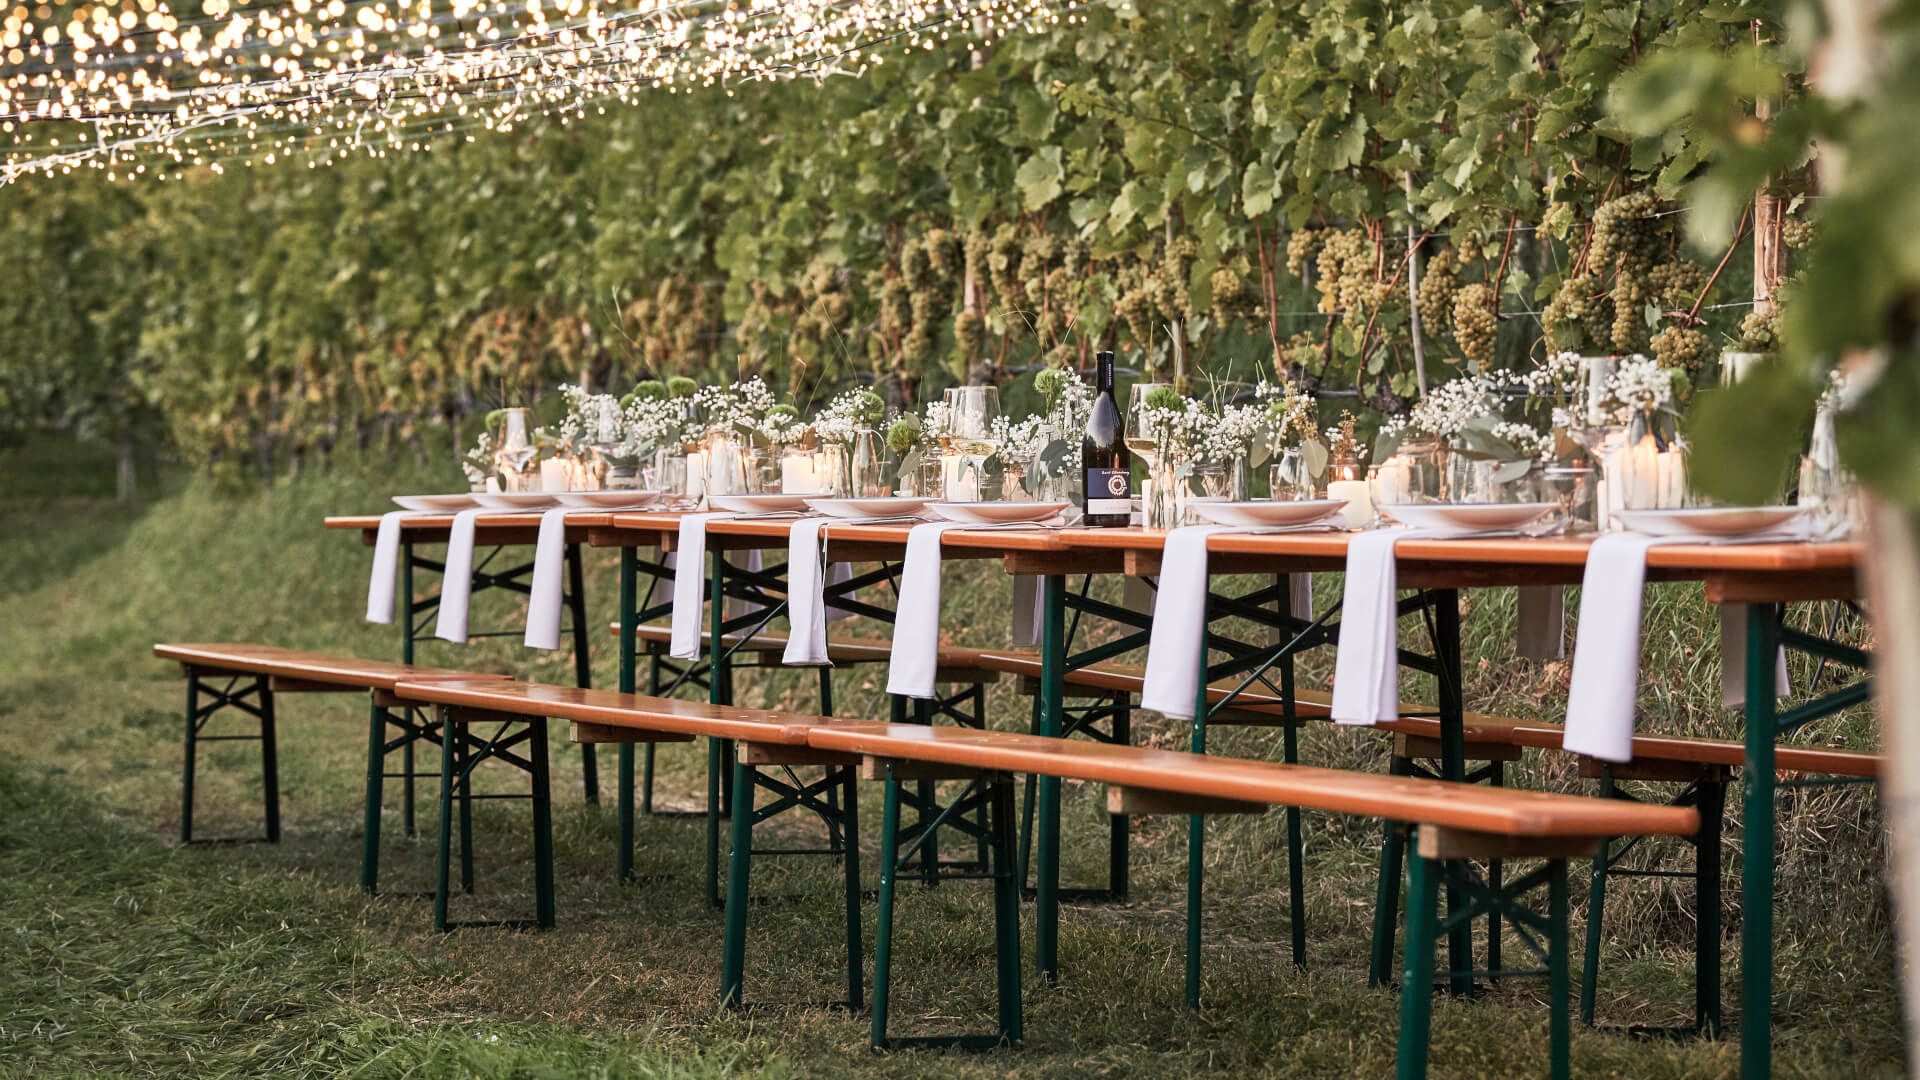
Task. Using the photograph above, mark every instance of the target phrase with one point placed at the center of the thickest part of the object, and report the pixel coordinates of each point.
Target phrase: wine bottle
(1106, 465)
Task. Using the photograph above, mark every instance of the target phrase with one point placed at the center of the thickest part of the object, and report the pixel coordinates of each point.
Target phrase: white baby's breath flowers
(1525, 438)
(591, 420)
(937, 423)
(652, 424)
(847, 415)
(1557, 378)
(1639, 385)
(1447, 409)
(1021, 442)
(738, 406)
(478, 462)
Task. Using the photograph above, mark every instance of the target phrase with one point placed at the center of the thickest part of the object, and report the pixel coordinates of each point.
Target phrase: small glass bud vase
(723, 462)
(866, 466)
(516, 461)
(1161, 500)
(1287, 477)
(1575, 490)
(1208, 481)
(671, 476)
(1827, 487)
(1490, 480)
(1013, 483)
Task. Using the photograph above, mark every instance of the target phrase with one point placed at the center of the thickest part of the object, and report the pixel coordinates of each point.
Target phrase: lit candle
(962, 484)
(797, 473)
(696, 474)
(554, 474)
(1359, 508)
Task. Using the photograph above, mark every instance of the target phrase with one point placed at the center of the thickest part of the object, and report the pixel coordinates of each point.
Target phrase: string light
(117, 83)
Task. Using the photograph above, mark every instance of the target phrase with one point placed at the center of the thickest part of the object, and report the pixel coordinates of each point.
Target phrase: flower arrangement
(850, 414)
(782, 426)
(477, 464)
(591, 420)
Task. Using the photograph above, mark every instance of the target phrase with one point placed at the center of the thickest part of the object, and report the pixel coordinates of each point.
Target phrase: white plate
(445, 504)
(996, 513)
(607, 500)
(758, 504)
(1708, 520)
(891, 506)
(1301, 512)
(518, 500)
(1466, 516)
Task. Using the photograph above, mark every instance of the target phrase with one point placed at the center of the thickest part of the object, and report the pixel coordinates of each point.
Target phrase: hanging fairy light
(117, 86)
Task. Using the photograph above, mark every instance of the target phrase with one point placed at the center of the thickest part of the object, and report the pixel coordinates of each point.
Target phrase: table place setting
(1606, 660)
(1174, 658)
(807, 610)
(548, 597)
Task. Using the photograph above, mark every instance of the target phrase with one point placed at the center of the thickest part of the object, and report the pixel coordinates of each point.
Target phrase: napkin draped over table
(386, 561)
(1366, 666)
(688, 603)
(456, 580)
(1606, 660)
(915, 662)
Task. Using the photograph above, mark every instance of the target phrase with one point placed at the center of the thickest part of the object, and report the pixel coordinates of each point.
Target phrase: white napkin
(688, 584)
(1733, 659)
(1606, 659)
(916, 620)
(456, 581)
(806, 605)
(386, 562)
(1026, 611)
(1366, 666)
(1174, 662)
(838, 574)
(549, 566)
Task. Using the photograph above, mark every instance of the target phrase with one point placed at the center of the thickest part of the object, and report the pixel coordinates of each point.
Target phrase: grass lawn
(128, 955)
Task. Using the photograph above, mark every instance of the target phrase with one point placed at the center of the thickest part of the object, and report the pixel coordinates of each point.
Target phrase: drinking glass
(972, 411)
(514, 462)
(1140, 438)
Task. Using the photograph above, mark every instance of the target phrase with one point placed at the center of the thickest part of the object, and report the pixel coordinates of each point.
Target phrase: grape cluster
(1174, 264)
(1003, 267)
(1232, 296)
(1476, 323)
(1677, 283)
(1760, 331)
(1682, 347)
(1437, 286)
(1137, 304)
(941, 253)
(1344, 270)
(1469, 246)
(1798, 233)
(1301, 245)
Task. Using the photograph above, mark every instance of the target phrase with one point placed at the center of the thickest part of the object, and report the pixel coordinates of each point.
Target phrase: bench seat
(299, 669)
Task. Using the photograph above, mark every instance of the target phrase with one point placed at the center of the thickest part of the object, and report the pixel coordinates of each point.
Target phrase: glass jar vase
(1490, 480)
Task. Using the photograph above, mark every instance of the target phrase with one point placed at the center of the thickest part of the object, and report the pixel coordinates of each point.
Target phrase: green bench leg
(376, 787)
(1424, 880)
(1386, 902)
(850, 866)
(1120, 831)
(457, 766)
(733, 959)
(582, 665)
(996, 791)
(197, 716)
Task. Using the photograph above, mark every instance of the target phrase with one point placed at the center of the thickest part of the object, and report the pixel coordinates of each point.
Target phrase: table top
(1746, 573)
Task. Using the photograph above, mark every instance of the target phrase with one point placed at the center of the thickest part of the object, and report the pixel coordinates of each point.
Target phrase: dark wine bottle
(1105, 463)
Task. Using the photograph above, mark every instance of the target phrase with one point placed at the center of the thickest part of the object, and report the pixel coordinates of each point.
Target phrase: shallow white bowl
(997, 513)
(444, 504)
(758, 504)
(1270, 513)
(1469, 516)
(518, 500)
(889, 506)
(1708, 520)
(608, 500)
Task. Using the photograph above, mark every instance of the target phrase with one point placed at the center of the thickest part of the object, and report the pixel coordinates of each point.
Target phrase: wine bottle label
(1109, 491)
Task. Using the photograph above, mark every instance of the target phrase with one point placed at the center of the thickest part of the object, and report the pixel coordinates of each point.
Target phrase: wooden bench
(1701, 766)
(1454, 822)
(217, 671)
(763, 739)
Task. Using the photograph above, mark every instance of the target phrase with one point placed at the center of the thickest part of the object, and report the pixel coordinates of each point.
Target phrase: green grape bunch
(1437, 286)
(1476, 323)
(1683, 348)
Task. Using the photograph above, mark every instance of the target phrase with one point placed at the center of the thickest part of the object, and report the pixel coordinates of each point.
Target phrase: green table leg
(1053, 652)
(629, 588)
(719, 692)
(1756, 884)
(883, 922)
(1416, 983)
(376, 782)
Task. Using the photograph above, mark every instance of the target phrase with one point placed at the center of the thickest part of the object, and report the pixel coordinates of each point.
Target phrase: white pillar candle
(1359, 508)
(962, 484)
(696, 474)
(493, 485)
(797, 473)
(553, 474)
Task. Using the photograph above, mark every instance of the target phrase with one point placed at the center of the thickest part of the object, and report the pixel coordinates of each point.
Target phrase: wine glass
(972, 411)
(1140, 438)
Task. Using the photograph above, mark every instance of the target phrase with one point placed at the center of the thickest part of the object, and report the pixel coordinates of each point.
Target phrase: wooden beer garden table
(1763, 577)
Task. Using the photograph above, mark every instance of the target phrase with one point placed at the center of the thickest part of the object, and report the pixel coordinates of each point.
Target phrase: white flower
(1529, 441)
(652, 425)
(845, 416)
(738, 406)
(591, 420)
(1638, 385)
(478, 464)
(937, 423)
(1447, 409)
(1021, 442)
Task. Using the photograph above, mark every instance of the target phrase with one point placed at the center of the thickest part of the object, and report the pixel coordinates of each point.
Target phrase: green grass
(128, 955)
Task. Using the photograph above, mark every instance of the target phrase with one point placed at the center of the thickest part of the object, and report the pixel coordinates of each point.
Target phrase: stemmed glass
(1140, 438)
(515, 453)
(972, 411)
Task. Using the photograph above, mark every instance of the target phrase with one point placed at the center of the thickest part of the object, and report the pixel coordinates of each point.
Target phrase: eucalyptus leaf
(1509, 471)
(1314, 455)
